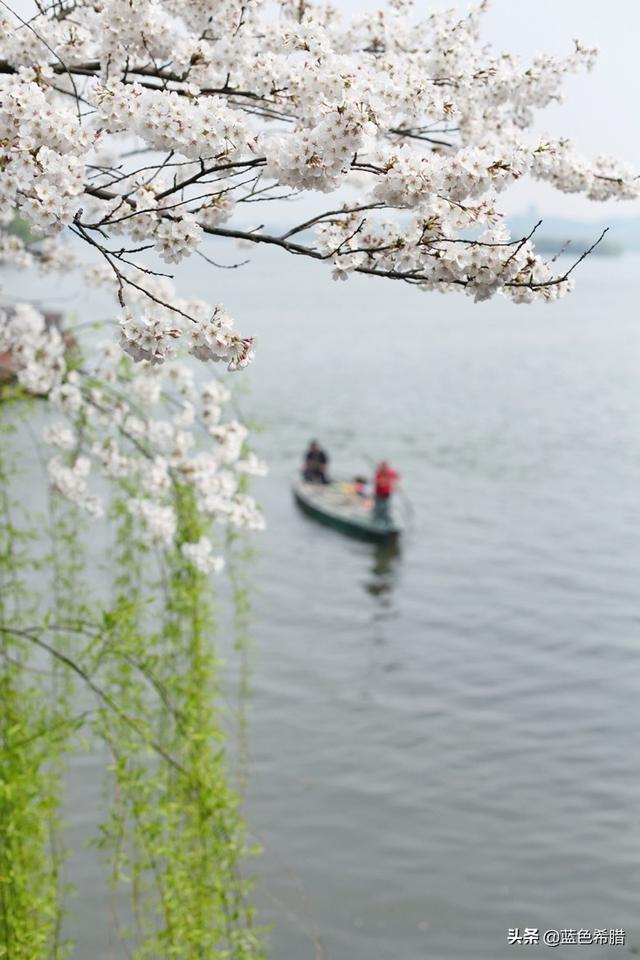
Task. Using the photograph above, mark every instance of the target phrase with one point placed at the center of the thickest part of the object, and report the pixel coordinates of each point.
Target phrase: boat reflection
(383, 572)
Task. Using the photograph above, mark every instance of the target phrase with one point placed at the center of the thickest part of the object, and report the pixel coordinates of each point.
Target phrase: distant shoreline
(554, 233)
(555, 246)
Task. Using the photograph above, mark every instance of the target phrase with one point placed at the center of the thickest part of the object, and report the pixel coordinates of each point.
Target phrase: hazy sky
(601, 109)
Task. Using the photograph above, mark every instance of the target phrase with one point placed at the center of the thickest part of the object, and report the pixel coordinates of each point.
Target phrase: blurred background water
(442, 743)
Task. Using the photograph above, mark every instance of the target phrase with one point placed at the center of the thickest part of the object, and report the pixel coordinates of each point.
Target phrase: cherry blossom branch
(122, 279)
(565, 276)
(342, 211)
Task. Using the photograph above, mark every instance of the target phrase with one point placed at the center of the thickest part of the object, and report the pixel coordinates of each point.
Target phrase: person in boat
(315, 465)
(361, 486)
(386, 481)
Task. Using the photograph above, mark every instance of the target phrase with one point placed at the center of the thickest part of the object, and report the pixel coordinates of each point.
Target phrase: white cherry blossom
(200, 555)
(149, 429)
(144, 125)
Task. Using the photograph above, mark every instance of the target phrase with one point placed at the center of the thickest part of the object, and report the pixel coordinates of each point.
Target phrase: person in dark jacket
(316, 462)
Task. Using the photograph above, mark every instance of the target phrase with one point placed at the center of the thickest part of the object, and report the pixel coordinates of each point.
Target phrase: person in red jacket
(385, 483)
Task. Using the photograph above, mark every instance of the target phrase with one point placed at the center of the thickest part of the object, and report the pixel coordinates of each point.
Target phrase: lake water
(443, 744)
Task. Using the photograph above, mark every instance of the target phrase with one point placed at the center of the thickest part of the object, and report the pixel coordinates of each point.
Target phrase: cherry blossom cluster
(148, 338)
(42, 152)
(149, 429)
(201, 556)
(422, 254)
(320, 157)
(70, 480)
(200, 129)
(604, 178)
(142, 126)
(211, 337)
(37, 351)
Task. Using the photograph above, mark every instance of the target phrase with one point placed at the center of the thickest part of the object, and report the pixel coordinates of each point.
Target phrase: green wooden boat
(337, 506)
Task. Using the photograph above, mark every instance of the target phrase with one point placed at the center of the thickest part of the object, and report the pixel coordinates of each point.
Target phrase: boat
(338, 505)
